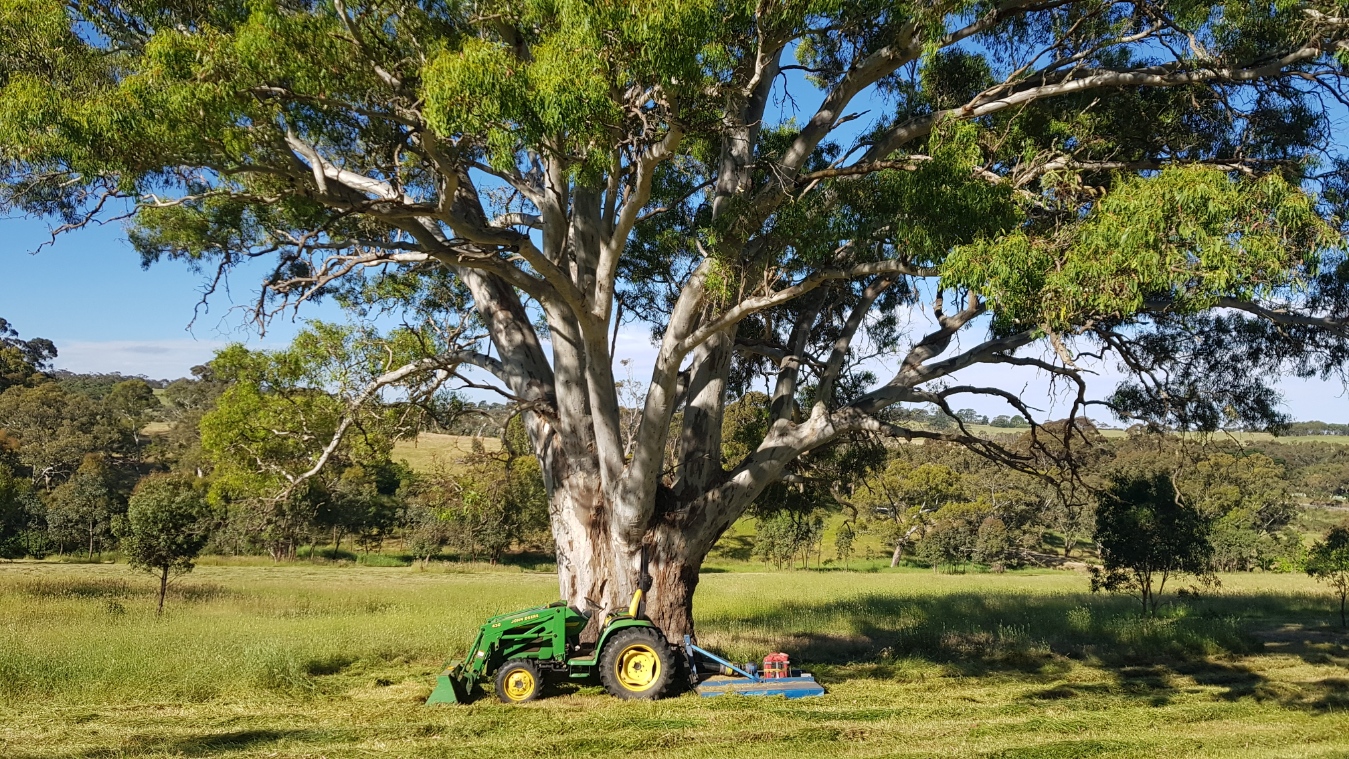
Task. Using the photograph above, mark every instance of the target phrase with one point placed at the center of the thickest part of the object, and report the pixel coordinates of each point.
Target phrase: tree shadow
(234, 740)
(1037, 638)
(531, 561)
(1315, 644)
(734, 548)
(205, 744)
(1154, 684)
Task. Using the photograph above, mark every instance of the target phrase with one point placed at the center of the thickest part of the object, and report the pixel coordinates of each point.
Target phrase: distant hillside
(96, 385)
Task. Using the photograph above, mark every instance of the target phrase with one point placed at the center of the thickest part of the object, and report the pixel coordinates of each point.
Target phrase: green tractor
(632, 657)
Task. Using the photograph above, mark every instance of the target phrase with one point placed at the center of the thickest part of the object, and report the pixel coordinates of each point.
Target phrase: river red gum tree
(1122, 179)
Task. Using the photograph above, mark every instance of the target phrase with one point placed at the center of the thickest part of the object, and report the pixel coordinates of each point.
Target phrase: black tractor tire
(519, 681)
(638, 663)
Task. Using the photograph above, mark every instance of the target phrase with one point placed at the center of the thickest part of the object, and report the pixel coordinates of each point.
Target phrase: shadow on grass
(59, 588)
(734, 548)
(207, 744)
(528, 561)
(1192, 642)
(234, 740)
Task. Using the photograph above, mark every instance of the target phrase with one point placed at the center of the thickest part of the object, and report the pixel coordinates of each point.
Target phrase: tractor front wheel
(638, 663)
(518, 681)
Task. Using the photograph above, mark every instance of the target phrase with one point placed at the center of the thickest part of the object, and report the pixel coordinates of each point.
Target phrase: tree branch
(445, 361)
(1282, 316)
(754, 305)
(1168, 75)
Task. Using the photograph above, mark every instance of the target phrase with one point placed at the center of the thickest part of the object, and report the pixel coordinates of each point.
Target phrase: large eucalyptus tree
(781, 188)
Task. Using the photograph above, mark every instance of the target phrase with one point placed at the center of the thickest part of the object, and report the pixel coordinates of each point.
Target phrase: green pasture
(334, 662)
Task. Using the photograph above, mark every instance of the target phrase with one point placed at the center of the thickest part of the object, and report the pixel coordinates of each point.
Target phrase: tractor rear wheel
(518, 681)
(638, 663)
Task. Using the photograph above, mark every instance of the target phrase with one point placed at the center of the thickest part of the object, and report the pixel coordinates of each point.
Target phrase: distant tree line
(74, 454)
(1317, 428)
(249, 431)
(946, 507)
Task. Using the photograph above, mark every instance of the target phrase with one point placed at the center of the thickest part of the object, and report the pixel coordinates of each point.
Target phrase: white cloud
(156, 359)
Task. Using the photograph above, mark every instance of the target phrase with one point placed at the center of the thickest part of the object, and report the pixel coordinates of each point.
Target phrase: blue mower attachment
(730, 678)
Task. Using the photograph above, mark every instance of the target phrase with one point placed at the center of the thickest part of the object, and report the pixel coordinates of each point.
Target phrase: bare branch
(1283, 316)
(754, 305)
(445, 361)
(834, 365)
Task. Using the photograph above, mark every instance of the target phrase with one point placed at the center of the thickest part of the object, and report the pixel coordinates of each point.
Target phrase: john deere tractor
(631, 656)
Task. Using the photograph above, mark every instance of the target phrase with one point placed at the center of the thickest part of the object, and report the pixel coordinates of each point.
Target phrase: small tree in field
(428, 530)
(843, 543)
(1328, 562)
(165, 527)
(1147, 535)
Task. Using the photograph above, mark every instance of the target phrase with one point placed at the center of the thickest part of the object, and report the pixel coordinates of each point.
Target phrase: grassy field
(334, 662)
(421, 454)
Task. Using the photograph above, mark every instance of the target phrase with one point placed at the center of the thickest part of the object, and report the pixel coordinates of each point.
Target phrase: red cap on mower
(776, 665)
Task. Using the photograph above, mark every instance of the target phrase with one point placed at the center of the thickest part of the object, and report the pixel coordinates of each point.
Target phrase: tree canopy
(22, 360)
(1328, 562)
(166, 525)
(784, 192)
(1148, 535)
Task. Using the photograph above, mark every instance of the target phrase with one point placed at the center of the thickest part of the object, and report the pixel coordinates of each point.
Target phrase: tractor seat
(578, 610)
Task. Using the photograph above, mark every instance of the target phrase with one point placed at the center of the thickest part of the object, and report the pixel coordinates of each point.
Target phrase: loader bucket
(451, 688)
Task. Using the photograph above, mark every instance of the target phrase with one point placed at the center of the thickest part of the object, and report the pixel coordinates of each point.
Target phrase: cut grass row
(334, 662)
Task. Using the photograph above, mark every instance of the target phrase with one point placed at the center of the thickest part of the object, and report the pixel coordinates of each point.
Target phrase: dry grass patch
(421, 454)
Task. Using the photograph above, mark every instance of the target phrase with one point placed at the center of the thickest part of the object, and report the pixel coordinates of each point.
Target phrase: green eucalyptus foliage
(282, 408)
(52, 431)
(918, 215)
(81, 510)
(22, 361)
(1185, 236)
(166, 526)
(21, 517)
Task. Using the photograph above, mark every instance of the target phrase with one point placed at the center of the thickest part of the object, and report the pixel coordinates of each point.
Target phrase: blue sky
(89, 294)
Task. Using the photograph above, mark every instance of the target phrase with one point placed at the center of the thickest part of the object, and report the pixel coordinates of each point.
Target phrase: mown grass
(335, 661)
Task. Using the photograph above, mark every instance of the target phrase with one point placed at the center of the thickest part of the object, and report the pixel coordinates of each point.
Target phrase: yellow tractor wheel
(519, 681)
(637, 664)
